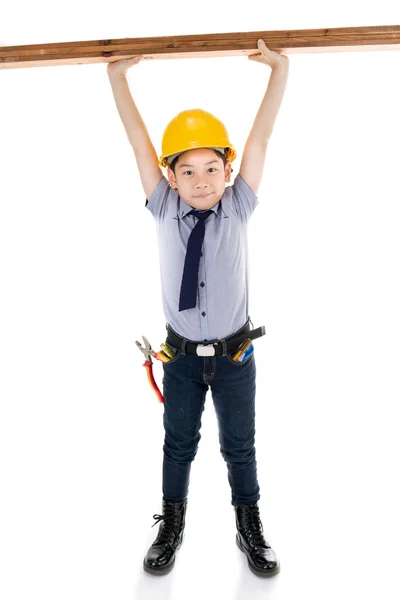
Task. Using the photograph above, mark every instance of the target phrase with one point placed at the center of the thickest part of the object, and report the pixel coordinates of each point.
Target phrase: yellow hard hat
(195, 128)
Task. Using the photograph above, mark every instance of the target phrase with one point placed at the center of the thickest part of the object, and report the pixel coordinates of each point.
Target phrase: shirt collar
(184, 208)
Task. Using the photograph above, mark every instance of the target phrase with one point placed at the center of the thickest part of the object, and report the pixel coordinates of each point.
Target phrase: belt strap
(213, 348)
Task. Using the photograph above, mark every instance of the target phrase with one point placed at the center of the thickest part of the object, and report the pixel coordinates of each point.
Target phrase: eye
(212, 169)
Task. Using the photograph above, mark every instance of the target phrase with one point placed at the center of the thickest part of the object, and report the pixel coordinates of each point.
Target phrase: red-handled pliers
(148, 363)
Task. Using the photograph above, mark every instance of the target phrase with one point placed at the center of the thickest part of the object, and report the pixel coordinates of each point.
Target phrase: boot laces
(172, 520)
(253, 529)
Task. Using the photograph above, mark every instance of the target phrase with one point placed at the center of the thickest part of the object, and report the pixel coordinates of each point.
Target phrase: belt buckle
(205, 350)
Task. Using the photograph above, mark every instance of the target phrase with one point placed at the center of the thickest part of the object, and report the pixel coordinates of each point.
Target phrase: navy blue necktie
(188, 295)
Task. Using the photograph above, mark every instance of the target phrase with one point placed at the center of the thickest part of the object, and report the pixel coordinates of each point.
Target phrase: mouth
(203, 196)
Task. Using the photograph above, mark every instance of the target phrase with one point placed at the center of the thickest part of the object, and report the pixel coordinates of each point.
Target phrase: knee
(184, 451)
(239, 456)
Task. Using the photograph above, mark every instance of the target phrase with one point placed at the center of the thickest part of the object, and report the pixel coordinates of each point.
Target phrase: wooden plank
(341, 39)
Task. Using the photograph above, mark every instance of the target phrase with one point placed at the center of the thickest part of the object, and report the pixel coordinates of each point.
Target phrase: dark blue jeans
(187, 378)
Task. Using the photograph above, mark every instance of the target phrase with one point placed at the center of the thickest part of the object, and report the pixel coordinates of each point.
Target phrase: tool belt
(216, 347)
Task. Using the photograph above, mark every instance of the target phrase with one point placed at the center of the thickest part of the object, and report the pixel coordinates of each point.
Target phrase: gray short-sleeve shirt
(222, 300)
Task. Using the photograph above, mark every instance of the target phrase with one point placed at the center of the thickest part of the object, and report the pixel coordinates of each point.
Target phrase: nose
(199, 183)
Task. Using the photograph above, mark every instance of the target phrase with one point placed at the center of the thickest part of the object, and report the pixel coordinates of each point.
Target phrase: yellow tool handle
(167, 350)
(242, 348)
(161, 356)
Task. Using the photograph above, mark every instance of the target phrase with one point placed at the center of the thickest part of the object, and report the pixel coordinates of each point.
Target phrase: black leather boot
(160, 557)
(249, 538)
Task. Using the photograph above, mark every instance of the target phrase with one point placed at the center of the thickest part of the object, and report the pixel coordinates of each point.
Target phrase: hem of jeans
(235, 504)
(174, 501)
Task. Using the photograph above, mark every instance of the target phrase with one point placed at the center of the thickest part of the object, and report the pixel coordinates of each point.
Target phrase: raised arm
(145, 154)
(252, 165)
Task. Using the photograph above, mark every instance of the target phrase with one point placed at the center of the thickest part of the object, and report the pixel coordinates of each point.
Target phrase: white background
(80, 428)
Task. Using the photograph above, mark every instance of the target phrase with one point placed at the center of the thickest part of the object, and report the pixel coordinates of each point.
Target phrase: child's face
(200, 177)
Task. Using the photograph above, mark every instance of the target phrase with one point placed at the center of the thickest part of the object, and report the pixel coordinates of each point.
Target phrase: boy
(205, 300)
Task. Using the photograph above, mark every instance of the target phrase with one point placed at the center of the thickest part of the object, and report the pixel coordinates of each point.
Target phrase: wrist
(282, 66)
(116, 74)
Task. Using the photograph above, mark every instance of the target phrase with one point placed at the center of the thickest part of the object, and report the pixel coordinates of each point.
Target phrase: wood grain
(342, 39)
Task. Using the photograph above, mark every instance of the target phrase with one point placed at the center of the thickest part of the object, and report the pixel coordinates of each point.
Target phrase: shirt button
(203, 313)
(202, 284)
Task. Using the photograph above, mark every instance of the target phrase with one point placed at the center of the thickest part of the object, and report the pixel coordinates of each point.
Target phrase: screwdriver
(245, 355)
(242, 349)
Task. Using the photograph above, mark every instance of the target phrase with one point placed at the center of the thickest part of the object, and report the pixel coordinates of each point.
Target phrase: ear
(172, 179)
(228, 172)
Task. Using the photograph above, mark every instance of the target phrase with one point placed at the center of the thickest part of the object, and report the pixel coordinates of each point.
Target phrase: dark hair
(172, 167)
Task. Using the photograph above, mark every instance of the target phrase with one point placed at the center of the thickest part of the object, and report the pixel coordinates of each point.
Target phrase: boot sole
(255, 571)
(165, 570)
(158, 571)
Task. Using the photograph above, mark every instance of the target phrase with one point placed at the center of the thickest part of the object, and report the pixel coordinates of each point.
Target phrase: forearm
(269, 108)
(134, 126)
